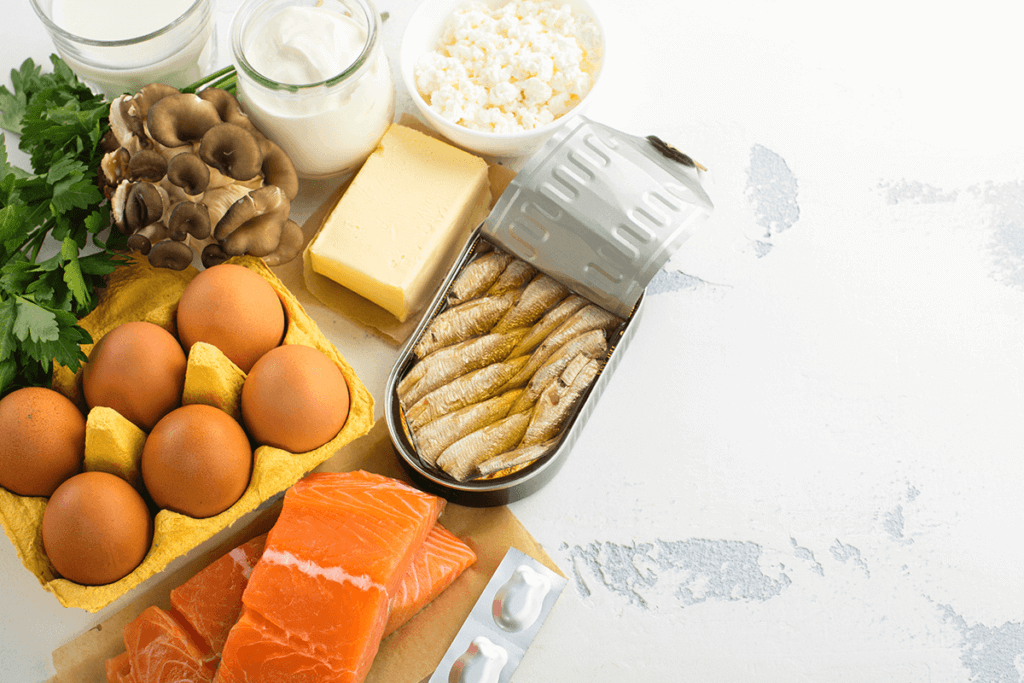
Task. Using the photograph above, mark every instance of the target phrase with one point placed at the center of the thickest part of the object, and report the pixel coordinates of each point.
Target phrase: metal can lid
(600, 210)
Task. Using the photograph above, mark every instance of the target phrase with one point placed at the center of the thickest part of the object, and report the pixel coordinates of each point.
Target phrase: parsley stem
(216, 76)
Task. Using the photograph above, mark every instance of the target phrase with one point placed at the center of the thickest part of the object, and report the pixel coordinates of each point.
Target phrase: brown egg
(138, 369)
(234, 309)
(295, 398)
(196, 461)
(42, 442)
(96, 528)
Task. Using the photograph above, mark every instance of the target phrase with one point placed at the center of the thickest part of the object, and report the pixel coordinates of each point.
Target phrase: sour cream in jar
(314, 78)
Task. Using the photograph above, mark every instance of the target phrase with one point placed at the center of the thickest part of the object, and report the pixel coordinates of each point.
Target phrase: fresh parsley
(60, 122)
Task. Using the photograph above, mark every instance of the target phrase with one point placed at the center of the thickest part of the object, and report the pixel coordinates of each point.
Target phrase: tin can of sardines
(496, 383)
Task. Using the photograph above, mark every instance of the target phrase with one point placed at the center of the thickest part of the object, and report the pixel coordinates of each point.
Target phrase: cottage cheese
(510, 69)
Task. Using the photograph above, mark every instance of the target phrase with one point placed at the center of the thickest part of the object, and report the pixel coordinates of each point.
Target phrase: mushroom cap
(147, 164)
(142, 240)
(213, 255)
(189, 218)
(228, 108)
(289, 246)
(266, 206)
(145, 205)
(188, 172)
(232, 150)
(149, 95)
(171, 254)
(180, 119)
(278, 169)
(253, 224)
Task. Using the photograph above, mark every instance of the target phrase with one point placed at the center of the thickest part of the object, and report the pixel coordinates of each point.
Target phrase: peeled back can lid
(600, 210)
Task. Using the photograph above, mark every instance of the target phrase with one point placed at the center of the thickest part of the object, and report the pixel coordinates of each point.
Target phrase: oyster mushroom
(188, 172)
(232, 150)
(189, 218)
(171, 254)
(142, 240)
(213, 255)
(180, 119)
(254, 223)
(147, 165)
(278, 169)
(144, 205)
(114, 167)
(228, 109)
(219, 200)
(289, 246)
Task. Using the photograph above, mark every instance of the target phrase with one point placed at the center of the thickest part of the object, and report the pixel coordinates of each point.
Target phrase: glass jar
(123, 50)
(313, 77)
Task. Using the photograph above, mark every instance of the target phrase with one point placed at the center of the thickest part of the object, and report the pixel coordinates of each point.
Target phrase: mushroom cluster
(190, 173)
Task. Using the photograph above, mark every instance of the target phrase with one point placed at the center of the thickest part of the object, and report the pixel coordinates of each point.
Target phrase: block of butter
(404, 217)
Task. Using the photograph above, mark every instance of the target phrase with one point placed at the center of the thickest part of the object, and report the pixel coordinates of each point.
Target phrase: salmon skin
(439, 561)
(161, 651)
(317, 602)
(211, 601)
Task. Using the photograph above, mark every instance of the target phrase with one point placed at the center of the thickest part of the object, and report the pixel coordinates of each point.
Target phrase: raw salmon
(212, 599)
(437, 563)
(317, 601)
(161, 651)
(119, 669)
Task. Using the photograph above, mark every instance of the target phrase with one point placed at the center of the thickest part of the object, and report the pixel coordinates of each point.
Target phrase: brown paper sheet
(408, 655)
(365, 312)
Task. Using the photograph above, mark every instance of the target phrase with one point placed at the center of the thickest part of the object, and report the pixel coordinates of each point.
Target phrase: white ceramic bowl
(422, 36)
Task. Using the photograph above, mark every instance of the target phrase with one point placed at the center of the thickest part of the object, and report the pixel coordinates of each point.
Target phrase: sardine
(462, 322)
(546, 325)
(587, 319)
(454, 361)
(581, 349)
(478, 276)
(558, 400)
(515, 275)
(461, 457)
(517, 458)
(538, 298)
(432, 438)
(463, 391)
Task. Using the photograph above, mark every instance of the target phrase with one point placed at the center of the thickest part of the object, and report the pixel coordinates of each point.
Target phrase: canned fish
(500, 376)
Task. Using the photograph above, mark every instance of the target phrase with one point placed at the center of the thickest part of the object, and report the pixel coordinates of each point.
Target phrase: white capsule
(482, 662)
(518, 603)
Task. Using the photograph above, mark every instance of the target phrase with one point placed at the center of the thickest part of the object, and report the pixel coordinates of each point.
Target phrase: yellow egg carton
(139, 291)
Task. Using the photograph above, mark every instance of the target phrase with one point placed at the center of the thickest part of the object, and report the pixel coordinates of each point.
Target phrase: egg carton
(113, 444)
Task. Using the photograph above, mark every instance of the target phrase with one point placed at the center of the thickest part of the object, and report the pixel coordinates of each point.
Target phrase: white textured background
(808, 466)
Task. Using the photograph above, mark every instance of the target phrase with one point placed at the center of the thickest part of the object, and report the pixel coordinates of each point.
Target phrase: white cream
(115, 19)
(326, 130)
(178, 57)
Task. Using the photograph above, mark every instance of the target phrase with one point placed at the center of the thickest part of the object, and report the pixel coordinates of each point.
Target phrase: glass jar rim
(124, 42)
(360, 63)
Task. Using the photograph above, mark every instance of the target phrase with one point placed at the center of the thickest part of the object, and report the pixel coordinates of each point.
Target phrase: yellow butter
(404, 217)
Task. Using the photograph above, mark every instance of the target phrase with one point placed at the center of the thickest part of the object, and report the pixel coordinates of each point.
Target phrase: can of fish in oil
(496, 383)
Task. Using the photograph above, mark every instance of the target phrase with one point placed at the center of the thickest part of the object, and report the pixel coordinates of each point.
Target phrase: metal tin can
(598, 210)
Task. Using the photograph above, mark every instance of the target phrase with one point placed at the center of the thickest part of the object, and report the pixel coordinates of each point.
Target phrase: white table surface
(808, 466)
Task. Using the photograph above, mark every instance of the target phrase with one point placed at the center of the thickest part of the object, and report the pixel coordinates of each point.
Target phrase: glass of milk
(118, 46)
(313, 77)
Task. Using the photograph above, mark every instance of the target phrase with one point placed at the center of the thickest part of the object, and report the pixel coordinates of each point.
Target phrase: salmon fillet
(160, 651)
(317, 602)
(212, 599)
(438, 562)
(119, 669)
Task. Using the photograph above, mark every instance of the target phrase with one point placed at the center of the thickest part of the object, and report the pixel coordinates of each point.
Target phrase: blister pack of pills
(503, 623)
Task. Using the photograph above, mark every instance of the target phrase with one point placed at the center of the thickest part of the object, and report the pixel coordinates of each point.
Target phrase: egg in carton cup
(140, 292)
